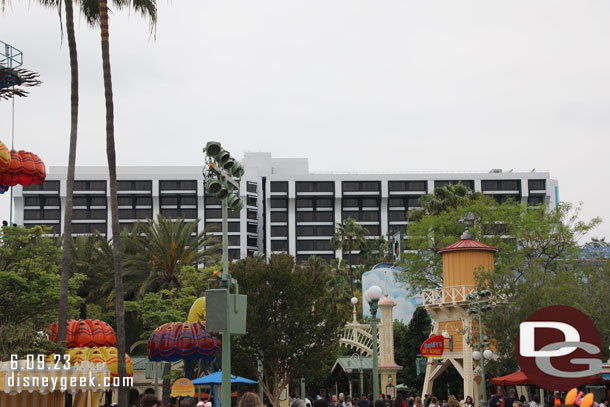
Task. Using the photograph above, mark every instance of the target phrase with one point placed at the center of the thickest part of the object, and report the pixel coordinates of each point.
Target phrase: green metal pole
(156, 379)
(361, 384)
(225, 397)
(375, 352)
(483, 383)
(302, 388)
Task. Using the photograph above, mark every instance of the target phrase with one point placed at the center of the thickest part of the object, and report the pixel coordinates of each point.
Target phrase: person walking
(468, 402)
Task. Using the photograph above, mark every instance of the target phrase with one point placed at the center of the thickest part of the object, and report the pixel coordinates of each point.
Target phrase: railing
(446, 295)
(10, 57)
(358, 336)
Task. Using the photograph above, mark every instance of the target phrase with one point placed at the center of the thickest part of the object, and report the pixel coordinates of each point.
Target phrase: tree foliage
(29, 289)
(293, 319)
(349, 236)
(538, 263)
(526, 237)
(162, 248)
(407, 341)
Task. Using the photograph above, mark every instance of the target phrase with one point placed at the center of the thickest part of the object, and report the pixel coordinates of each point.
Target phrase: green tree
(171, 305)
(568, 280)
(292, 323)
(442, 199)
(407, 341)
(29, 289)
(525, 237)
(535, 265)
(149, 9)
(349, 236)
(74, 104)
(162, 248)
(89, 258)
(376, 251)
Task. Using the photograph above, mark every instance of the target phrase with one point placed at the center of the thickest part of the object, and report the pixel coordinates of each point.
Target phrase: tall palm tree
(167, 246)
(62, 318)
(349, 236)
(148, 7)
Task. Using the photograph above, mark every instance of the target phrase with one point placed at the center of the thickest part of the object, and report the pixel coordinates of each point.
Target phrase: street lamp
(478, 303)
(389, 389)
(222, 175)
(372, 296)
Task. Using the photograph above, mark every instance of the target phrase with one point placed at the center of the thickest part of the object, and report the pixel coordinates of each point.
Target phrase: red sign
(433, 346)
(558, 348)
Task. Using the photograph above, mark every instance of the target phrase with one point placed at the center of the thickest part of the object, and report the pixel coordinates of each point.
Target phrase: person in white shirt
(535, 401)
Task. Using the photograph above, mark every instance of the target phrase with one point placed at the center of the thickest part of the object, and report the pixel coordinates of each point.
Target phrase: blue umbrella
(216, 378)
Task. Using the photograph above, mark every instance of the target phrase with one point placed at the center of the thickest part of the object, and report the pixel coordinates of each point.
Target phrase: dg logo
(559, 348)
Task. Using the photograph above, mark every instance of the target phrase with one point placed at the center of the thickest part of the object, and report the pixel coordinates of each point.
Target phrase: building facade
(288, 208)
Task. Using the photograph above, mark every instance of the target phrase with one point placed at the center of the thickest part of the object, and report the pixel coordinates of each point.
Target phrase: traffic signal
(212, 148)
(223, 156)
(216, 188)
(234, 202)
(237, 170)
(220, 173)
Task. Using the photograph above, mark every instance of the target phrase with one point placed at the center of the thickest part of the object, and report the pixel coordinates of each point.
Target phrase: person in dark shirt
(364, 402)
(508, 402)
(497, 400)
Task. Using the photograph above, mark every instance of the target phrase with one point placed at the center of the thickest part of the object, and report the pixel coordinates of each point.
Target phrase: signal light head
(212, 148)
(229, 164)
(237, 170)
(238, 205)
(223, 156)
(213, 186)
(222, 194)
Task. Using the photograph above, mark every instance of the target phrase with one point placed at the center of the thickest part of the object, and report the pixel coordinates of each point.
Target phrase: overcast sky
(353, 85)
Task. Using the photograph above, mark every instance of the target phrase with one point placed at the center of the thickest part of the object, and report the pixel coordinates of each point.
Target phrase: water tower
(448, 307)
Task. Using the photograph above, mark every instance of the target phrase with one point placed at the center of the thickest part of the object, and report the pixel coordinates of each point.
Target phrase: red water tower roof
(467, 244)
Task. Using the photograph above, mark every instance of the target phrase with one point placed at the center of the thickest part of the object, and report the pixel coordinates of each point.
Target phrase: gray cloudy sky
(353, 85)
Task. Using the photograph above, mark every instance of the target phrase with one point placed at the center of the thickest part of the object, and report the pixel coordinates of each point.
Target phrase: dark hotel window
(536, 184)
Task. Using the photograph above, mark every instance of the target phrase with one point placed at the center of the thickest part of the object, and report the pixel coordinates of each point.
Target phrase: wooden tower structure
(448, 308)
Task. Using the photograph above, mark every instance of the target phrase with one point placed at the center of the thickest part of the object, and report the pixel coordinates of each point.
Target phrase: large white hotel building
(288, 208)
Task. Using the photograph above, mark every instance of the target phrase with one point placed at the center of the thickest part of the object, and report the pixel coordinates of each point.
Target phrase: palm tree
(62, 318)
(89, 257)
(448, 196)
(349, 236)
(148, 7)
(167, 246)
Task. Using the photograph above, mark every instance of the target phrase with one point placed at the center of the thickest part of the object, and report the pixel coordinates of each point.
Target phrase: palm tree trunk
(116, 244)
(351, 274)
(62, 318)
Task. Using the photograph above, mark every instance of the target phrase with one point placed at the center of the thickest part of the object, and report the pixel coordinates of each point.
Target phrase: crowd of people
(499, 399)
